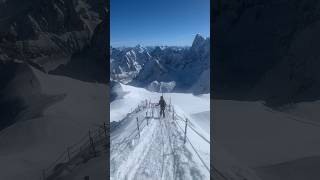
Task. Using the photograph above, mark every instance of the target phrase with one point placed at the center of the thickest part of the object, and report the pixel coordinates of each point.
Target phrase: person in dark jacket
(162, 104)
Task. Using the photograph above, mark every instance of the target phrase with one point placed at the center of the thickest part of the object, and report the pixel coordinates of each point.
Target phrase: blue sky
(158, 22)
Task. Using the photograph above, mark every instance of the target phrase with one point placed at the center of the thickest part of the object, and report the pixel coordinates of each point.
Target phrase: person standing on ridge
(162, 104)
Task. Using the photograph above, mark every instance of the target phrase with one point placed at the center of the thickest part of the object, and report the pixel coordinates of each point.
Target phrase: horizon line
(131, 46)
(136, 43)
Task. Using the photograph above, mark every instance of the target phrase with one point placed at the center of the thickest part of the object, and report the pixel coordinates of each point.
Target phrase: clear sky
(158, 22)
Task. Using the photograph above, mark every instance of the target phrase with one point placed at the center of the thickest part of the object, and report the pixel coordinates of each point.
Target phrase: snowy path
(159, 153)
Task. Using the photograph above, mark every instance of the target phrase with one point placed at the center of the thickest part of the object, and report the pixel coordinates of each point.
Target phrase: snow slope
(308, 111)
(31, 145)
(95, 169)
(142, 158)
(203, 119)
(274, 144)
(159, 153)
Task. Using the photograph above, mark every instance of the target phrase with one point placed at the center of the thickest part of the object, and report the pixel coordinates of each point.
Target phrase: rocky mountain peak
(198, 40)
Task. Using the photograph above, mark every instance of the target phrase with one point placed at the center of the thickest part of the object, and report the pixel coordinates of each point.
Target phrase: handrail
(81, 145)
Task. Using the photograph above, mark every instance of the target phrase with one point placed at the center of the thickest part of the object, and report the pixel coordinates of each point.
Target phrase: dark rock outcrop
(48, 32)
(259, 53)
(116, 90)
(90, 64)
(20, 92)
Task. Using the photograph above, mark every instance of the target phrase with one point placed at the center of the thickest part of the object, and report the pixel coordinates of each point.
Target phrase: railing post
(44, 174)
(92, 144)
(172, 113)
(105, 129)
(185, 131)
(147, 118)
(138, 127)
(68, 150)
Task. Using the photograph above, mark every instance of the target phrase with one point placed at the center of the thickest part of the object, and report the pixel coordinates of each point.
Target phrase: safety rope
(205, 139)
(214, 168)
(179, 118)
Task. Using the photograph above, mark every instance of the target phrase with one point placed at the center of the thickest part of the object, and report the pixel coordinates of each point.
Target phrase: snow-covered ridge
(142, 158)
(135, 151)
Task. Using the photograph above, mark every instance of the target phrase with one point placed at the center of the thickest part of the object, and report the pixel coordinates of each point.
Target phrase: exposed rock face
(126, 63)
(91, 63)
(8, 108)
(183, 66)
(296, 78)
(164, 87)
(47, 32)
(256, 49)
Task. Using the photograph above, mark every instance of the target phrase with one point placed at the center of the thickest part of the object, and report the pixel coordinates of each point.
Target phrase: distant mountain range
(164, 69)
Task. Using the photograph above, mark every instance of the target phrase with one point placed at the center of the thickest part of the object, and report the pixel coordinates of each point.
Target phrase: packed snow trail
(157, 153)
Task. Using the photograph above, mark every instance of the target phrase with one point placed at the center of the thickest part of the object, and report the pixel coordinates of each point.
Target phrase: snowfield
(185, 101)
(159, 152)
(32, 144)
(277, 145)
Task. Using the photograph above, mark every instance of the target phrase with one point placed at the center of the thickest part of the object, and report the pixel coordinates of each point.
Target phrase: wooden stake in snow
(68, 150)
(138, 127)
(44, 174)
(185, 131)
(172, 113)
(105, 129)
(92, 144)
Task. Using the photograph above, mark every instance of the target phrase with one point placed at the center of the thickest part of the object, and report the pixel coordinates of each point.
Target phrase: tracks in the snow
(163, 150)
